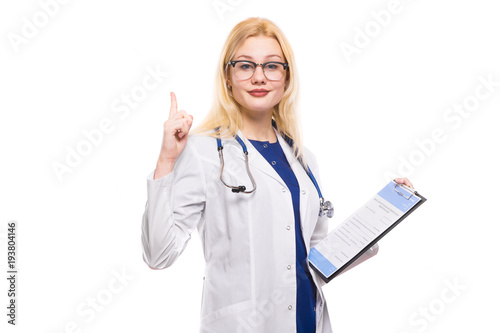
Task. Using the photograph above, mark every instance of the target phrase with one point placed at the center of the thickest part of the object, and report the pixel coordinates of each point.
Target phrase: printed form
(362, 228)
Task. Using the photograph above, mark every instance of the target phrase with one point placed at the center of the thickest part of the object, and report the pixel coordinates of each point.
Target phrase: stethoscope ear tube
(240, 188)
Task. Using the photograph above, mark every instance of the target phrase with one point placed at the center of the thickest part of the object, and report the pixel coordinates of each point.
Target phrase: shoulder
(201, 146)
(208, 140)
(202, 140)
(310, 157)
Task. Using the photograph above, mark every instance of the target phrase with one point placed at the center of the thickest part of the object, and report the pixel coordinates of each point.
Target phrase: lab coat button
(287, 227)
(289, 267)
(289, 307)
(303, 192)
(283, 190)
(273, 162)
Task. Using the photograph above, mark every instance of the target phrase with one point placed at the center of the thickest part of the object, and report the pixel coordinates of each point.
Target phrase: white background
(360, 117)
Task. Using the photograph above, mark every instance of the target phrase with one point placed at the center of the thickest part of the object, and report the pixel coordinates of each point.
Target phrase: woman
(255, 239)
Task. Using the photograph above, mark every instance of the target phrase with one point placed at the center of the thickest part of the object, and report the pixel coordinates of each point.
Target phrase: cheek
(280, 86)
(280, 90)
(239, 94)
(238, 91)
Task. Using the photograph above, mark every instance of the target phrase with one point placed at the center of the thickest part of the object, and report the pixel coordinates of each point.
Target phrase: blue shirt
(306, 289)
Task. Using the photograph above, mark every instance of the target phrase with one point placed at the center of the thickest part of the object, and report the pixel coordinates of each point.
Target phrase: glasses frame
(234, 62)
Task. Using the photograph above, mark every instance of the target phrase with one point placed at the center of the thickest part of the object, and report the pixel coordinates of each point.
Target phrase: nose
(259, 76)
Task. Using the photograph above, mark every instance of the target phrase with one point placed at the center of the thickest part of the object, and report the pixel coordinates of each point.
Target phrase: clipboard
(353, 237)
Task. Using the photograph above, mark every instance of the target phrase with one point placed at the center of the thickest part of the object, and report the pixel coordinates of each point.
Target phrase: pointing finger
(173, 106)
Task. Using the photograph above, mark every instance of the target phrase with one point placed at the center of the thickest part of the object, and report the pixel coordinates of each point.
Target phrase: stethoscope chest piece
(325, 208)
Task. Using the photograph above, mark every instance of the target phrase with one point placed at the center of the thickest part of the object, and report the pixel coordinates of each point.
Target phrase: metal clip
(406, 188)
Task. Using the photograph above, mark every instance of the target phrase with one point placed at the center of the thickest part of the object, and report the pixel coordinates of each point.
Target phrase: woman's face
(259, 49)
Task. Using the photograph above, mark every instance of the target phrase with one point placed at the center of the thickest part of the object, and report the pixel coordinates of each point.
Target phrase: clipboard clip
(406, 188)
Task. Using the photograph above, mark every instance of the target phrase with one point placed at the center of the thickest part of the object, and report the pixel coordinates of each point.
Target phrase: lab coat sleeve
(365, 256)
(321, 228)
(174, 207)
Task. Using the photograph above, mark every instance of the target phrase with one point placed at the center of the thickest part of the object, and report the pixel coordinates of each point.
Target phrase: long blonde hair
(225, 111)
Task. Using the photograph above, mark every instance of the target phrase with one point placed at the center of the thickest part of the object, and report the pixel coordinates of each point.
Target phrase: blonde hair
(225, 111)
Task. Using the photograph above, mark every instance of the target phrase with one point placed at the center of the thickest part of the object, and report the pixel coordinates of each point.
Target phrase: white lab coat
(248, 239)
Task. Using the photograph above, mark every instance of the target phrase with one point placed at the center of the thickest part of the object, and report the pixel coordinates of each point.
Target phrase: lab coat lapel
(304, 186)
(255, 159)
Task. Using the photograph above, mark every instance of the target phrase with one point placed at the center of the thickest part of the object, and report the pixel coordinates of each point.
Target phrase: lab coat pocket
(225, 314)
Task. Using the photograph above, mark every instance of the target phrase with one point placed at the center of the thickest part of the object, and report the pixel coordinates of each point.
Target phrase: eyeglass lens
(245, 70)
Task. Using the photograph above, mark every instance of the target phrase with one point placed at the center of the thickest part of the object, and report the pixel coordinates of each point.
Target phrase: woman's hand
(404, 181)
(175, 135)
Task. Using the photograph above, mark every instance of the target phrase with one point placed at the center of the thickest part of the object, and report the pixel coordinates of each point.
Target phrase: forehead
(259, 47)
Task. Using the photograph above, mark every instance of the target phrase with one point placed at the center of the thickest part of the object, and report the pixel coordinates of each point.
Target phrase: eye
(272, 67)
(244, 66)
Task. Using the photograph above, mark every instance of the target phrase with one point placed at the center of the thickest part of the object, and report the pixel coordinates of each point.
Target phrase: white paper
(354, 234)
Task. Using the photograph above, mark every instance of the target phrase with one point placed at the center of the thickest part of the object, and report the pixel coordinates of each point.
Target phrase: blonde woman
(255, 205)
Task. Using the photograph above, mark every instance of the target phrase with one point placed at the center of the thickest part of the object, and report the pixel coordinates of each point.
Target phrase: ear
(228, 82)
(226, 74)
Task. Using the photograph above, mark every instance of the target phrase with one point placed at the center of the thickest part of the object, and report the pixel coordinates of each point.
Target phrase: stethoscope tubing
(237, 189)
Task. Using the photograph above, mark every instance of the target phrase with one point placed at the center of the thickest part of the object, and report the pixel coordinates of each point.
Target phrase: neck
(258, 127)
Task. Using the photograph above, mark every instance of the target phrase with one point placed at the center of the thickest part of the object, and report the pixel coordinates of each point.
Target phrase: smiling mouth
(258, 92)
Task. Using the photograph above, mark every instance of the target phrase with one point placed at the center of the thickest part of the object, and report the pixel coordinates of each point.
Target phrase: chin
(258, 108)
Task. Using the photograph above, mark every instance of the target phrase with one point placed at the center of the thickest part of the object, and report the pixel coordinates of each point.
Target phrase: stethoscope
(325, 207)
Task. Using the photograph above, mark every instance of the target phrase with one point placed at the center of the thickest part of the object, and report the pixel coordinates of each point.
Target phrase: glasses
(244, 69)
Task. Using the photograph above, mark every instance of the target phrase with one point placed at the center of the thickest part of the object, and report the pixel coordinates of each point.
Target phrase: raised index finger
(173, 106)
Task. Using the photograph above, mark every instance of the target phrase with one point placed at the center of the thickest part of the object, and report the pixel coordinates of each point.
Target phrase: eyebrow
(249, 57)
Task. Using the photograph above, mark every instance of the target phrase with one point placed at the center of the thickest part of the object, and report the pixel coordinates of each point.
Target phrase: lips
(259, 92)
